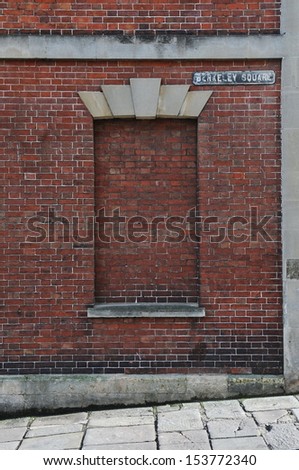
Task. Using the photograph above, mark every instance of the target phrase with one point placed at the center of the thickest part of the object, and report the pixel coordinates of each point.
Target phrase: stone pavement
(247, 424)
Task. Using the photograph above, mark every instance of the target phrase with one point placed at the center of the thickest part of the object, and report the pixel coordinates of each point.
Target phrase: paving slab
(58, 442)
(119, 435)
(12, 434)
(52, 430)
(185, 440)
(104, 419)
(71, 418)
(273, 416)
(129, 446)
(191, 406)
(14, 423)
(239, 443)
(223, 409)
(9, 445)
(282, 436)
(183, 420)
(220, 428)
(270, 403)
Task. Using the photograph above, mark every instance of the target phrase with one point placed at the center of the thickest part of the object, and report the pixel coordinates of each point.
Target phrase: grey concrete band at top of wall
(163, 47)
(21, 394)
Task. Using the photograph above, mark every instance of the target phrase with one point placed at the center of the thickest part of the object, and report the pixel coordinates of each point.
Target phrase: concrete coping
(142, 309)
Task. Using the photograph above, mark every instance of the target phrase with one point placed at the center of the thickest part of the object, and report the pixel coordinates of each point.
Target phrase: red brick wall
(146, 177)
(206, 17)
(47, 280)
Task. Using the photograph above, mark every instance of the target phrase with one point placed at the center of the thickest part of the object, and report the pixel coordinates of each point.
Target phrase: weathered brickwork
(47, 210)
(140, 16)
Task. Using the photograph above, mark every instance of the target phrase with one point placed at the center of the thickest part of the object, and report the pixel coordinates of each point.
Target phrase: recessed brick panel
(146, 178)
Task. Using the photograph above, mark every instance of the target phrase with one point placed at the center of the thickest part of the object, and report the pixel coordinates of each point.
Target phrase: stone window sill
(144, 310)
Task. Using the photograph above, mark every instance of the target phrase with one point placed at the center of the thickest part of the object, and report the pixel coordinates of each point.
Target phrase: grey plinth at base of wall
(21, 395)
(152, 310)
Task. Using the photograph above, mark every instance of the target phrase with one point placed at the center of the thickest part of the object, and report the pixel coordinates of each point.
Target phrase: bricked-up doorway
(146, 186)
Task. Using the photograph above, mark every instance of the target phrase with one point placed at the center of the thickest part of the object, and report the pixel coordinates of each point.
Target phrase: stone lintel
(194, 103)
(145, 98)
(96, 104)
(171, 100)
(119, 99)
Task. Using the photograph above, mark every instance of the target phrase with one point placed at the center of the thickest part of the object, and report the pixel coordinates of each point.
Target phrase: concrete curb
(44, 393)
